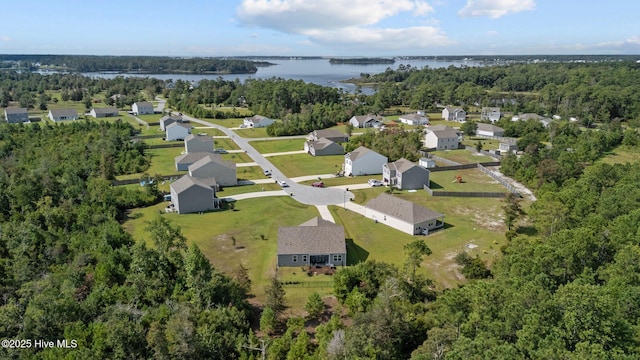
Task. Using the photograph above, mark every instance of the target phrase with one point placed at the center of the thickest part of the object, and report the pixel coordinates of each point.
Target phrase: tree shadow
(527, 230)
(355, 253)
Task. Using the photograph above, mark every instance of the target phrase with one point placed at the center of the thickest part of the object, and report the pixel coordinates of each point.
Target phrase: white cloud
(495, 8)
(492, 32)
(343, 22)
(5, 38)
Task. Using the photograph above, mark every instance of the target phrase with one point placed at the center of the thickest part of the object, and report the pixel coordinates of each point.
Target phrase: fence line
(500, 179)
(309, 284)
(443, 160)
(484, 152)
(165, 146)
(137, 181)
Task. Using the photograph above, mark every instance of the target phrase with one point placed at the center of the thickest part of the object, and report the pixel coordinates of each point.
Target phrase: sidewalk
(285, 153)
(325, 214)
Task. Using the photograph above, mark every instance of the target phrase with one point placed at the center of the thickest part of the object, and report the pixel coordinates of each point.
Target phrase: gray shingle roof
(320, 143)
(444, 134)
(64, 112)
(212, 158)
(191, 158)
(15, 110)
(364, 118)
(143, 104)
(402, 209)
(105, 110)
(256, 118)
(323, 238)
(401, 165)
(359, 152)
(199, 138)
(413, 116)
(187, 181)
(489, 127)
(171, 118)
(172, 125)
(328, 133)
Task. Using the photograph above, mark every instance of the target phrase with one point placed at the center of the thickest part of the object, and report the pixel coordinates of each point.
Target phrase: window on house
(337, 258)
(304, 258)
(294, 258)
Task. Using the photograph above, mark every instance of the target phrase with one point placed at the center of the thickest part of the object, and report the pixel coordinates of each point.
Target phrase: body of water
(316, 71)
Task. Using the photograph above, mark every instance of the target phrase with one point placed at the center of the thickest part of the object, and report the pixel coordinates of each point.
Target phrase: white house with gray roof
(441, 137)
(198, 143)
(316, 242)
(366, 121)
(492, 114)
(257, 121)
(168, 120)
(63, 115)
(405, 175)
(213, 166)
(142, 108)
(16, 115)
(331, 134)
(190, 195)
(403, 215)
(104, 112)
(323, 147)
(452, 113)
(484, 129)
(363, 161)
(177, 131)
(417, 118)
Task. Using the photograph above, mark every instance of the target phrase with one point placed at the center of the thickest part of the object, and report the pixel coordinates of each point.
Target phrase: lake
(316, 71)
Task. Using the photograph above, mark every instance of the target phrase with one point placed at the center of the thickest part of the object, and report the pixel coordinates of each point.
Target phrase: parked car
(318, 184)
(374, 182)
(220, 151)
(283, 183)
(267, 173)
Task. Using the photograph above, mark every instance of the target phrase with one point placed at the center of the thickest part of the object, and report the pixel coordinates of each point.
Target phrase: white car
(283, 183)
(374, 182)
(267, 173)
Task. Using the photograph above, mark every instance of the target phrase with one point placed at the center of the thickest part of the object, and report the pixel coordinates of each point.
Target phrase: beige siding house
(403, 215)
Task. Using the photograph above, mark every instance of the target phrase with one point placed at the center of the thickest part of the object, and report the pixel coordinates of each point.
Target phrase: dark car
(318, 184)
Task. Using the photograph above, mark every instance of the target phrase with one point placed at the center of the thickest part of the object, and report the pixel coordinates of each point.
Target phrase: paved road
(302, 193)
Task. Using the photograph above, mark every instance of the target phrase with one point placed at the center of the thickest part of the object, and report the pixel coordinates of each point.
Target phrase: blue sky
(320, 27)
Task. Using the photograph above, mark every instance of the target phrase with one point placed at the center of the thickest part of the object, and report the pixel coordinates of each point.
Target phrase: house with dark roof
(441, 137)
(405, 175)
(16, 115)
(198, 143)
(452, 113)
(484, 129)
(63, 115)
(316, 242)
(403, 215)
(189, 195)
(213, 166)
(363, 161)
(104, 112)
(492, 114)
(366, 121)
(257, 121)
(331, 134)
(185, 160)
(417, 118)
(508, 145)
(168, 120)
(177, 131)
(323, 147)
(142, 108)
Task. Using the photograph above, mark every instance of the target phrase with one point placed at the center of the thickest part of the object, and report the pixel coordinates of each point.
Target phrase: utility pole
(262, 349)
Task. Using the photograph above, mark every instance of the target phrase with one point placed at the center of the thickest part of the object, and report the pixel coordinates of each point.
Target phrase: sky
(319, 27)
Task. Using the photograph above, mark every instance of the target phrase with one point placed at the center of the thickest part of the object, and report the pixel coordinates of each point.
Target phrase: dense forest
(140, 64)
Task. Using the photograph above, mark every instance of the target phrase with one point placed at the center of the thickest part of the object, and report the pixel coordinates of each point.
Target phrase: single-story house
(63, 114)
(451, 113)
(316, 242)
(363, 161)
(142, 108)
(405, 175)
(403, 215)
(331, 134)
(104, 112)
(508, 146)
(417, 118)
(177, 131)
(189, 195)
(15, 115)
(212, 166)
(323, 147)
(545, 121)
(489, 130)
(198, 143)
(185, 160)
(366, 121)
(257, 121)
(492, 114)
(168, 120)
(441, 137)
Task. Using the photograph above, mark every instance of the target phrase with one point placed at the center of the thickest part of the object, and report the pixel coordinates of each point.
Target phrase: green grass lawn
(622, 155)
(462, 156)
(208, 131)
(253, 133)
(250, 173)
(439, 121)
(243, 189)
(228, 123)
(305, 164)
(151, 119)
(472, 180)
(345, 180)
(276, 146)
(487, 144)
(255, 234)
(237, 157)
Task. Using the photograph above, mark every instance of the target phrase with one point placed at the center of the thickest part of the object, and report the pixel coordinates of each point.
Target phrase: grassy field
(243, 189)
(462, 156)
(487, 144)
(250, 173)
(151, 119)
(472, 180)
(253, 133)
(237, 157)
(276, 146)
(255, 234)
(228, 123)
(305, 164)
(622, 155)
(209, 131)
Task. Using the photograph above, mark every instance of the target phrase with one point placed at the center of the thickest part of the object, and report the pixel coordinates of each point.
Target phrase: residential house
(142, 108)
(104, 112)
(403, 215)
(323, 147)
(363, 161)
(451, 113)
(185, 160)
(63, 115)
(545, 121)
(508, 145)
(15, 115)
(177, 131)
(489, 130)
(189, 195)
(441, 137)
(212, 166)
(417, 118)
(316, 242)
(405, 175)
(257, 121)
(491, 114)
(198, 143)
(427, 163)
(366, 121)
(168, 120)
(330, 134)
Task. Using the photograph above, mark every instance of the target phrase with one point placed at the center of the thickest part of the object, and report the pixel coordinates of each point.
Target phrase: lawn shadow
(434, 185)
(355, 253)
